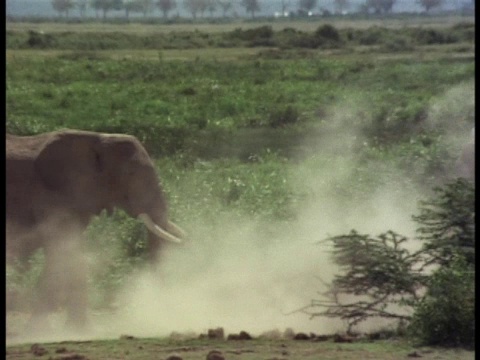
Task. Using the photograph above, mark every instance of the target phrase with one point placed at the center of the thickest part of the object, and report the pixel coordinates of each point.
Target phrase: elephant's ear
(69, 160)
(121, 148)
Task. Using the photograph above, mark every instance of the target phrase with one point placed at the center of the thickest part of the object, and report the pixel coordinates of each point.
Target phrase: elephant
(56, 183)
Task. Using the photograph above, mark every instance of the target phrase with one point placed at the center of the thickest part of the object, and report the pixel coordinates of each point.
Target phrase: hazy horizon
(43, 8)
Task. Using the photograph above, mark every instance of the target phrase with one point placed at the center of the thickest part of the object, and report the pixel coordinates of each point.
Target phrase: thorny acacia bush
(380, 277)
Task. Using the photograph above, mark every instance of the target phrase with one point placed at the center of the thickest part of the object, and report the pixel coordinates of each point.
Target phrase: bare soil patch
(193, 349)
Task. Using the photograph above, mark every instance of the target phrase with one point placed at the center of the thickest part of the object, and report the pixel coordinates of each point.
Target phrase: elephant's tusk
(157, 230)
(176, 230)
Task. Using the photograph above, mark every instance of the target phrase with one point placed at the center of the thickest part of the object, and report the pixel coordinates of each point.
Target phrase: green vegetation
(167, 103)
(446, 315)
(326, 36)
(232, 130)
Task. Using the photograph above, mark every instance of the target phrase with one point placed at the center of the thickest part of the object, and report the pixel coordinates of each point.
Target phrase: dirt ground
(129, 347)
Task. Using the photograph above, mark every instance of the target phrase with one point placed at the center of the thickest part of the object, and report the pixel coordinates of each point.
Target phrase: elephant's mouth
(174, 233)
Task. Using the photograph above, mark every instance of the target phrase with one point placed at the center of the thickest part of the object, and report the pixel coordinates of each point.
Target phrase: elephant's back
(21, 152)
(20, 156)
(24, 147)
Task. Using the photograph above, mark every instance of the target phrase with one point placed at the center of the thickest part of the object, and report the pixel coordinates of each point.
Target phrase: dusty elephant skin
(56, 182)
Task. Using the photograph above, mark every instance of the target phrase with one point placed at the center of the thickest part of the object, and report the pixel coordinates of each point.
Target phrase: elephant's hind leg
(76, 301)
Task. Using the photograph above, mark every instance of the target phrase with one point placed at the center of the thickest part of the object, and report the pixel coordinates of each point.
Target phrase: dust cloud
(232, 278)
(242, 274)
(238, 277)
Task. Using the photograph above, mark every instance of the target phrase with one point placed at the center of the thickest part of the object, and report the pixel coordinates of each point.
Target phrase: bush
(446, 315)
(282, 117)
(447, 223)
(39, 40)
(327, 36)
(371, 36)
(328, 32)
(432, 36)
(259, 36)
(255, 34)
(381, 272)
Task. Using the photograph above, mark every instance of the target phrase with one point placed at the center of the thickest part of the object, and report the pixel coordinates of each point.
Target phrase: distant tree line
(199, 7)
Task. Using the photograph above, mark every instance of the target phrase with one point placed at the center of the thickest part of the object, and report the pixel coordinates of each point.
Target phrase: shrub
(259, 36)
(327, 36)
(432, 36)
(261, 32)
(302, 40)
(282, 117)
(371, 36)
(380, 272)
(39, 40)
(328, 32)
(447, 223)
(446, 315)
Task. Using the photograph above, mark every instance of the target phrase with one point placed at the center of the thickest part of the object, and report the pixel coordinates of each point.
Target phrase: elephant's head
(89, 172)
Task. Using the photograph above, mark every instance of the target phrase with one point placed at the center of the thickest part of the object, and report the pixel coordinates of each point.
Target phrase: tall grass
(166, 103)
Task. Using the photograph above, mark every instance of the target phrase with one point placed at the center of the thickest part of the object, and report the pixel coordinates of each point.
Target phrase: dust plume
(231, 278)
(238, 277)
(242, 274)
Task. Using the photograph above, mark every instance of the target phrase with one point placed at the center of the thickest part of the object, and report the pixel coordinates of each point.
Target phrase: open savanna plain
(268, 137)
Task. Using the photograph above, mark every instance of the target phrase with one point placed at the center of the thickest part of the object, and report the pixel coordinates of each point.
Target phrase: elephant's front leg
(63, 282)
(76, 301)
(50, 291)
